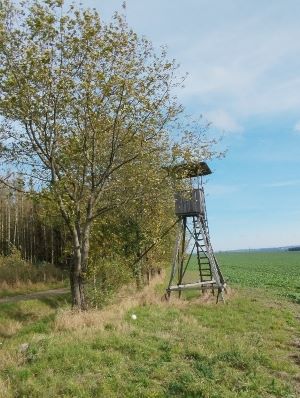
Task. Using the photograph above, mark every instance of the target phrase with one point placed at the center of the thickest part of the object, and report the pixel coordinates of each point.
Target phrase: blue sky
(243, 59)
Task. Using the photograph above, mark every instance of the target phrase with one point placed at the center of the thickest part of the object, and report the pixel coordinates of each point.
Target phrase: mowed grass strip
(184, 348)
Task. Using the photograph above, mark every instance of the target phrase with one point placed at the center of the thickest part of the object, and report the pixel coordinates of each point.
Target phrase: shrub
(15, 271)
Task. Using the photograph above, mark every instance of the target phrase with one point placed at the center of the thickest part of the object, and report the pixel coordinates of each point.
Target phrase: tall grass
(16, 273)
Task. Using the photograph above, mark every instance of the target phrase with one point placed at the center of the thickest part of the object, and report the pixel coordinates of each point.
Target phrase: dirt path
(34, 295)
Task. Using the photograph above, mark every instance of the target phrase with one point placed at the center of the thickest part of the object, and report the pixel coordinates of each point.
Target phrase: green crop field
(277, 271)
(248, 347)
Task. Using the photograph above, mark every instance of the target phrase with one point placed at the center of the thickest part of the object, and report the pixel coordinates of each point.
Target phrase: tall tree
(81, 102)
(85, 99)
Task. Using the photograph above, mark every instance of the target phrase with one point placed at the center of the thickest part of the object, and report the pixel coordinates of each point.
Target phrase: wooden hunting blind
(193, 240)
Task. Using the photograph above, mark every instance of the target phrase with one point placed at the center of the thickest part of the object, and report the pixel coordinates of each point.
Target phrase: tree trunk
(16, 223)
(45, 243)
(52, 245)
(77, 285)
(8, 226)
(138, 274)
(80, 254)
(1, 228)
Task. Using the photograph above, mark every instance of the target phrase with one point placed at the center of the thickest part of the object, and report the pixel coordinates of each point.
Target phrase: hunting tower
(193, 240)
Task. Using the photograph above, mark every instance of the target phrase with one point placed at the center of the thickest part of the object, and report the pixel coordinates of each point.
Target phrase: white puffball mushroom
(134, 317)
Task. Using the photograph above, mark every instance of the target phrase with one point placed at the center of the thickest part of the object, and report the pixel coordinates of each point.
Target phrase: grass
(246, 348)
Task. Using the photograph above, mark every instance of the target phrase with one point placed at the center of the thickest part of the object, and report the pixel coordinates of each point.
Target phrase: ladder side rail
(215, 261)
(197, 247)
(206, 229)
(198, 236)
(210, 254)
(219, 270)
(196, 241)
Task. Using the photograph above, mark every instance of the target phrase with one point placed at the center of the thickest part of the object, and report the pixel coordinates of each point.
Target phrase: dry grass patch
(9, 327)
(10, 358)
(5, 389)
(127, 299)
(112, 314)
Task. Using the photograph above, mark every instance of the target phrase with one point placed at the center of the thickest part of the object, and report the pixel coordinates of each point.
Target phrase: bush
(14, 271)
(106, 276)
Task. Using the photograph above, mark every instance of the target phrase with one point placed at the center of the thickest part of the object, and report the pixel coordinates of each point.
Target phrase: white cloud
(222, 120)
(297, 127)
(280, 184)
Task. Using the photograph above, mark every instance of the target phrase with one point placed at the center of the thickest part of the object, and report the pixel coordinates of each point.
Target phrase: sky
(243, 60)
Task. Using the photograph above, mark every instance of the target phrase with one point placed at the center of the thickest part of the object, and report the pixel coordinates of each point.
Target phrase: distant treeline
(28, 227)
(294, 249)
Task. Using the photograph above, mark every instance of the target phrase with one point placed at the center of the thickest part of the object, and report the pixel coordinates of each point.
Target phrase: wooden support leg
(220, 296)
